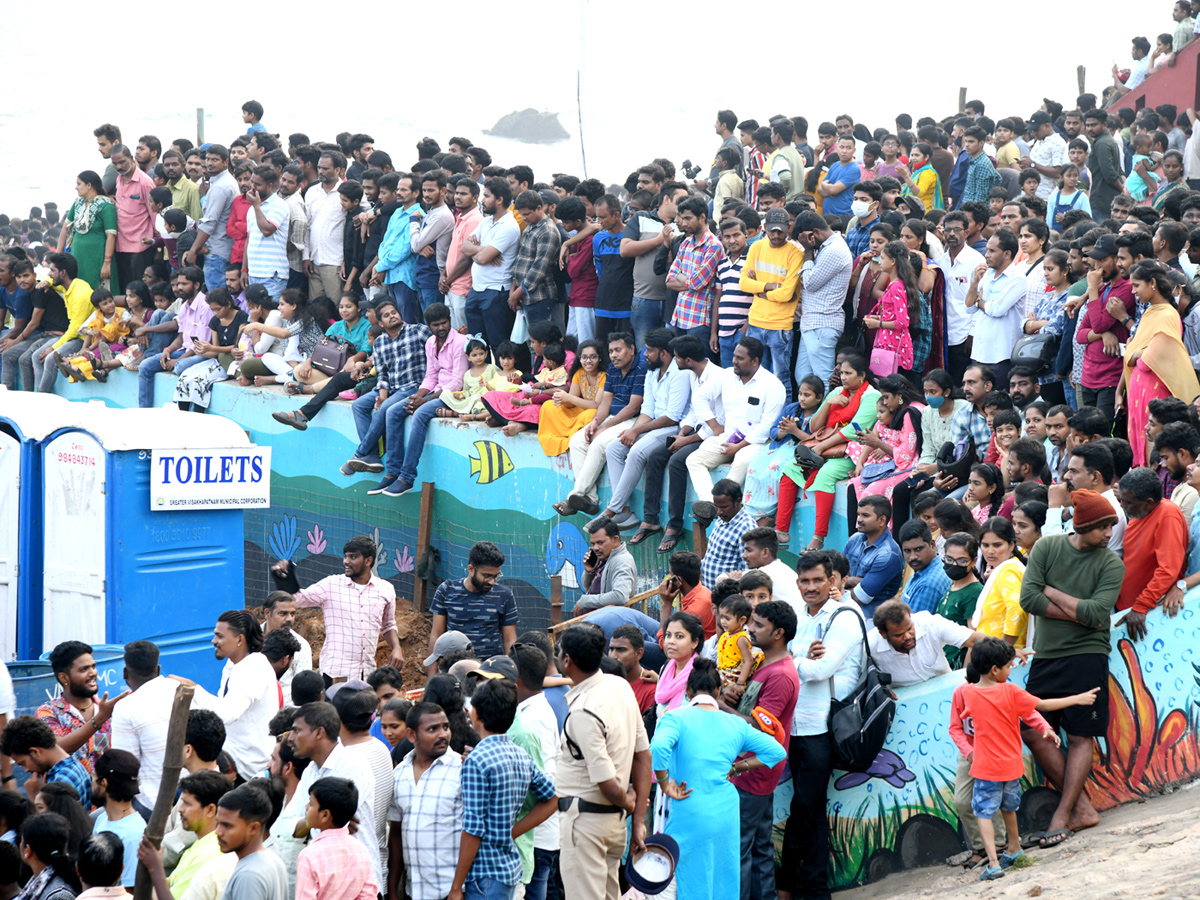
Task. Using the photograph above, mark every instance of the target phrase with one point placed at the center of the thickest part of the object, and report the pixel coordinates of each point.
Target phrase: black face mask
(956, 572)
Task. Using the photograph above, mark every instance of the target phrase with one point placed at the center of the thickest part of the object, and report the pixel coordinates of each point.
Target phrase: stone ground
(1142, 850)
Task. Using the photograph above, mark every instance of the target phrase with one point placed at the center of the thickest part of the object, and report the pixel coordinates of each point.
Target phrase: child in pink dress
(891, 316)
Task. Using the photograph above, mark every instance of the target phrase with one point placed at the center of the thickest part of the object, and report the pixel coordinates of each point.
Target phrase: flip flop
(1054, 838)
(644, 532)
(669, 542)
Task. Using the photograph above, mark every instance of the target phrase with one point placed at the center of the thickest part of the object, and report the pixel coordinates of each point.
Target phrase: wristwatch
(1182, 585)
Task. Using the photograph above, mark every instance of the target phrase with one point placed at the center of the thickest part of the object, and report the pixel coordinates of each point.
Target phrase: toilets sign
(210, 479)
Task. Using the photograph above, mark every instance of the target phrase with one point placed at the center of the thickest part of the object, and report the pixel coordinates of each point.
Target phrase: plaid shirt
(355, 618)
(71, 771)
(63, 719)
(536, 252)
(400, 363)
(968, 421)
(723, 552)
(495, 779)
(430, 817)
(335, 867)
(981, 178)
(696, 266)
(825, 278)
(922, 336)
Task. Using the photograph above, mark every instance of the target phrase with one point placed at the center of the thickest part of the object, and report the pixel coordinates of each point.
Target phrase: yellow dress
(729, 656)
(558, 423)
(467, 399)
(998, 610)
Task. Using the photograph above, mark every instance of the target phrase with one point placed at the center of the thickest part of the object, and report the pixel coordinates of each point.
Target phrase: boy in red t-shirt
(994, 709)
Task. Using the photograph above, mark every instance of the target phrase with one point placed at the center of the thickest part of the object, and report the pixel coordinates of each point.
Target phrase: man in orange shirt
(683, 584)
(1155, 545)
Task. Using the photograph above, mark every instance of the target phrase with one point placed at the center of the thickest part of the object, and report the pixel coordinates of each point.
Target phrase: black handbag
(1037, 351)
(808, 459)
(949, 463)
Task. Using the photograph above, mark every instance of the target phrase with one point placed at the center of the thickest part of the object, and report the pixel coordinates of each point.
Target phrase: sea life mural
(492, 462)
(565, 549)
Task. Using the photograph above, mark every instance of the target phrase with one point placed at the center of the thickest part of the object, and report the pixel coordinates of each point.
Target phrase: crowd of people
(984, 332)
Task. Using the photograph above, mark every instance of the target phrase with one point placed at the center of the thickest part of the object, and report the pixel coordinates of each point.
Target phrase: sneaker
(387, 482)
(397, 488)
(346, 470)
(365, 463)
(348, 395)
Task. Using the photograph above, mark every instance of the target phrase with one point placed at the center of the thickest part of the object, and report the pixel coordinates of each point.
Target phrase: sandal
(563, 508)
(1054, 838)
(669, 542)
(991, 874)
(644, 532)
(296, 419)
(1007, 859)
(293, 387)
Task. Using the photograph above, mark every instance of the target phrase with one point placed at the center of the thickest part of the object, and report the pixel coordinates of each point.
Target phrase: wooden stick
(172, 762)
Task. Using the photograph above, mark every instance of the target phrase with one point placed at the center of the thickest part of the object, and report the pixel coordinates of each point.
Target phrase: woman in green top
(847, 411)
(91, 223)
(959, 602)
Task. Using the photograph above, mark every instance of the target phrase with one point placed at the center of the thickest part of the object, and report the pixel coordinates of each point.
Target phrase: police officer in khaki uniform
(604, 747)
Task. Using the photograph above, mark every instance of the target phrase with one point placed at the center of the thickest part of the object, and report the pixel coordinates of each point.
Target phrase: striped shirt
(696, 266)
(267, 257)
(734, 310)
(756, 160)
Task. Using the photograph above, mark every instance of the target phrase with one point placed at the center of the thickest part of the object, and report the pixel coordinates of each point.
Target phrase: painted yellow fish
(492, 463)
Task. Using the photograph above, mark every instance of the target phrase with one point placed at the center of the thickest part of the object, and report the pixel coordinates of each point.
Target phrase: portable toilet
(143, 532)
(26, 421)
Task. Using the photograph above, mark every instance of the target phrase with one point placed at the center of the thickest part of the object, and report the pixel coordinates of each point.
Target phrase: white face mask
(860, 208)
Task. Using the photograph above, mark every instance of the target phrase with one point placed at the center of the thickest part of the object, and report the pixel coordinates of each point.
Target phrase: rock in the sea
(530, 126)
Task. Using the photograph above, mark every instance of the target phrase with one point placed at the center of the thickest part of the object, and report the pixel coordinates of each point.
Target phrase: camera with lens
(689, 170)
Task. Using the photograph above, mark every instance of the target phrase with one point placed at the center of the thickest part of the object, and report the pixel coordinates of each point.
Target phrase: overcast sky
(147, 68)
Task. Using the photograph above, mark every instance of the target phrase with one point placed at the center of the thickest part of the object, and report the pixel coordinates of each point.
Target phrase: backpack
(859, 724)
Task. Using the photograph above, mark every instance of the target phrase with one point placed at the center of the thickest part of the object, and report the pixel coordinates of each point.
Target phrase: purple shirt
(444, 370)
(193, 321)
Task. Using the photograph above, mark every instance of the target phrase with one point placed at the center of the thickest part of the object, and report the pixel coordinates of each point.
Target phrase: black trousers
(342, 381)
(805, 869)
(132, 266)
(657, 463)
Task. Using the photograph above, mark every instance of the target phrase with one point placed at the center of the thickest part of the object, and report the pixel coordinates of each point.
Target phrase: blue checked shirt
(880, 566)
(496, 776)
(400, 364)
(724, 550)
(970, 422)
(825, 278)
(981, 178)
(927, 587)
(71, 771)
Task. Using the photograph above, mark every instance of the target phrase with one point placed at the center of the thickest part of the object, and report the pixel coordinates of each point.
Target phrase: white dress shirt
(706, 399)
(959, 272)
(836, 673)
(927, 659)
(246, 701)
(301, 662)
(999, 325)
(783, 585)
(139, 725)
(539, 720)
(326, 221)
(752, 406)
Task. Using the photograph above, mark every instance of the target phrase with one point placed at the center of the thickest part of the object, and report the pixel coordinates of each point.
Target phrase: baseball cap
(1106, 246)
(353, 684)
(497, 667)
(446, 644)
(1039, 118)
(777, 220)
(120, 769)
(257, 293)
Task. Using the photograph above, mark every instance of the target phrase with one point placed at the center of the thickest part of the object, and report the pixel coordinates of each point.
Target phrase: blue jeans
(408, 303)
(370, 422)
(488, 889)
(644, 315)
(704, 332)
(159, 342)
(401, 461)
(150, 366)
(297, 281)
(275, 284)
(728, 345)
(818, 350)
(214, 271)
(539, 312)
(488, 314)
(777, 355)
(541, 885)
(427, 296)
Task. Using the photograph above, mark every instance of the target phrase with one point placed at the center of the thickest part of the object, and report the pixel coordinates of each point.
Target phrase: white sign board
(210, 479)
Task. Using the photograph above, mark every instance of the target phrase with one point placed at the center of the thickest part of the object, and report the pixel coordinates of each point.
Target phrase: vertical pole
(699, 538)
(1081, 77)
(143, 889)
(556, 604)
(424, 526)
(199, 125)
(962, 99)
